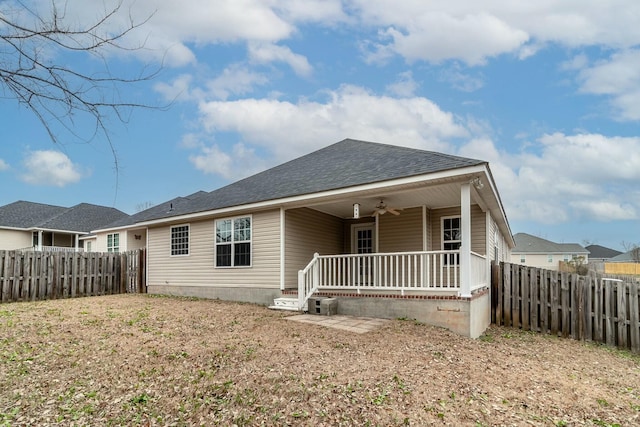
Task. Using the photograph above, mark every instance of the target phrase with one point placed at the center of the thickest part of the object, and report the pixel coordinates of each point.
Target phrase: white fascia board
(54, 230)
(315, 197)
(4, 227)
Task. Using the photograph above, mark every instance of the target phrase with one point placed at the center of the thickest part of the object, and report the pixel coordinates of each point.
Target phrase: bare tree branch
(58, 95)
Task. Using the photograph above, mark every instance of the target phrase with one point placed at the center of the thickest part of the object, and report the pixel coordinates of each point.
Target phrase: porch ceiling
(433, 196)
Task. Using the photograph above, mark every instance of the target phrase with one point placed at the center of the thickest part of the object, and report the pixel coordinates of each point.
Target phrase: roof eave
(327, 194)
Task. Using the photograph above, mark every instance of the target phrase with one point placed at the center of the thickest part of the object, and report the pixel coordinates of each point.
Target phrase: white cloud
(264, 53)
(3, 165)
(474, 31)
(289, 129)
(234, 80)
(405, 86)
(565, 178)
(618, 78)
(48, 167)
(461, 81)
(240, 162)
(436, 37)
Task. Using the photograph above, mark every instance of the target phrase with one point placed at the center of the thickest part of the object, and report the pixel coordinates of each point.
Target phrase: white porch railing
(52, 249)
(436, 271)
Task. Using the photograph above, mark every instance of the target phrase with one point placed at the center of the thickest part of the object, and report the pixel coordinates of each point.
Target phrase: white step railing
(402, 271)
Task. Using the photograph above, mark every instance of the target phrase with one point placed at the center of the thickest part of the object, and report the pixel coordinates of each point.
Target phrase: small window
(113, 242)
(523, 258)
(451, 238)
(233, 242)
(549, 258)
(180, 240)
(88, 249)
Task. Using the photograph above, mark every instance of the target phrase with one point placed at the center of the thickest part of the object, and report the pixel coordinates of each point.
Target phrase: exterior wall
(135, 239)
(196, 274)
(308, 231)
(542, 260)
(101, 241)
(91, 241)
(478, 227)
(465, 316)
(402, 233)
(15, 239)
(497, 241)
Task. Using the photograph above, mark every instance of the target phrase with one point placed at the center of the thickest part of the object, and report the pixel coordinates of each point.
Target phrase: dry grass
(143, 360)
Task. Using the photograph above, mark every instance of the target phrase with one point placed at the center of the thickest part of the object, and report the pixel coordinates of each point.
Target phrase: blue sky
(548, 92)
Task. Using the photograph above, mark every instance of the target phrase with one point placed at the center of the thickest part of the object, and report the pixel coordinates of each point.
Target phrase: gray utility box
(323, 305)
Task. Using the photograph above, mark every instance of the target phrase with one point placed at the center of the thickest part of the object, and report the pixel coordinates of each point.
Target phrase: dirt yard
(144, 360)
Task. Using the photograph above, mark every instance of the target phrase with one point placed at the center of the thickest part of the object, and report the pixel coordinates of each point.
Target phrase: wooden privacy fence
(33, 276)
(589, 308)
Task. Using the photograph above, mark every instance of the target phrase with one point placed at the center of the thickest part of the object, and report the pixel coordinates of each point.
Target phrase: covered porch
(418, 247)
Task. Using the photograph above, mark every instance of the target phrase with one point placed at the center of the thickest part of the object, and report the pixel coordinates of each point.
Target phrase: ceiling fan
(382, 208)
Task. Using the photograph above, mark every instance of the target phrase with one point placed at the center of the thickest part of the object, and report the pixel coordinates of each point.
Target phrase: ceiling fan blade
(393, 211)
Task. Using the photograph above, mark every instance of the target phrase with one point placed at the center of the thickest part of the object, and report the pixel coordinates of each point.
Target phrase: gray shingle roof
(630, 256)
(597, 251)
(344, 164)
(22, 214)
(80, 218)
(526, 243)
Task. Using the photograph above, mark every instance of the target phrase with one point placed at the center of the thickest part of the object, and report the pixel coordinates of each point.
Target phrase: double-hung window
(233, 242)
(451, 238)
(180, 240)
(113, 242)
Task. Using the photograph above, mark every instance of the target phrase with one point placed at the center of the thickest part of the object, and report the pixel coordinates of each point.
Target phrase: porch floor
(358, 325)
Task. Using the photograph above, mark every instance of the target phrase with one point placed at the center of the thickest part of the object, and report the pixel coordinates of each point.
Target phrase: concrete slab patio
(358, 325)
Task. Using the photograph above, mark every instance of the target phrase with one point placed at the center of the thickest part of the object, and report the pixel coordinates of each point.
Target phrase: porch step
(284, 303)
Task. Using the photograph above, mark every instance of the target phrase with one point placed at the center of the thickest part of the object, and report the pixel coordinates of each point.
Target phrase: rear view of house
(390, 231)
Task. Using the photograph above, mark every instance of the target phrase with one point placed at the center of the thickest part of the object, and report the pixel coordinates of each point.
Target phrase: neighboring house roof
(344, 164)
(631, 256)
(83, 217)
(528, 244)
(23, 214)
(601, 252)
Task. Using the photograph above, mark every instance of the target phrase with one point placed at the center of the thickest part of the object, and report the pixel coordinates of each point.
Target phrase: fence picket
(581, 307)
(621, 318)
(634, 320)
(34, 276)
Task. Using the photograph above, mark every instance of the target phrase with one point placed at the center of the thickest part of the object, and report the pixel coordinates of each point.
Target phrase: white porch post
(77, 242)
(40, 235)
(465, 248)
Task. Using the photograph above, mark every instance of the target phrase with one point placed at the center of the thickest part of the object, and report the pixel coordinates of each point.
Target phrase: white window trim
(113, 234)
(362, 225)
(442, 241)
(188, 240)
(215, 243)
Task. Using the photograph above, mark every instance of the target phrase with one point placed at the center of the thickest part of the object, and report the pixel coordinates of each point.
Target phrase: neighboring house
(389, 231)
(598, 255)
(36, 226)
(537, 252)
(601, 253)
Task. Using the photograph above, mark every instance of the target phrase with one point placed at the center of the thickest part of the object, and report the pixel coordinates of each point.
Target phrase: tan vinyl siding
(478, 227)
(15, 239)
(198, 268)
(308, 231)
(402, 233)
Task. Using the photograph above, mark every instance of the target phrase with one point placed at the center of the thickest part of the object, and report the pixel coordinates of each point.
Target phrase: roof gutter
(317, 197)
